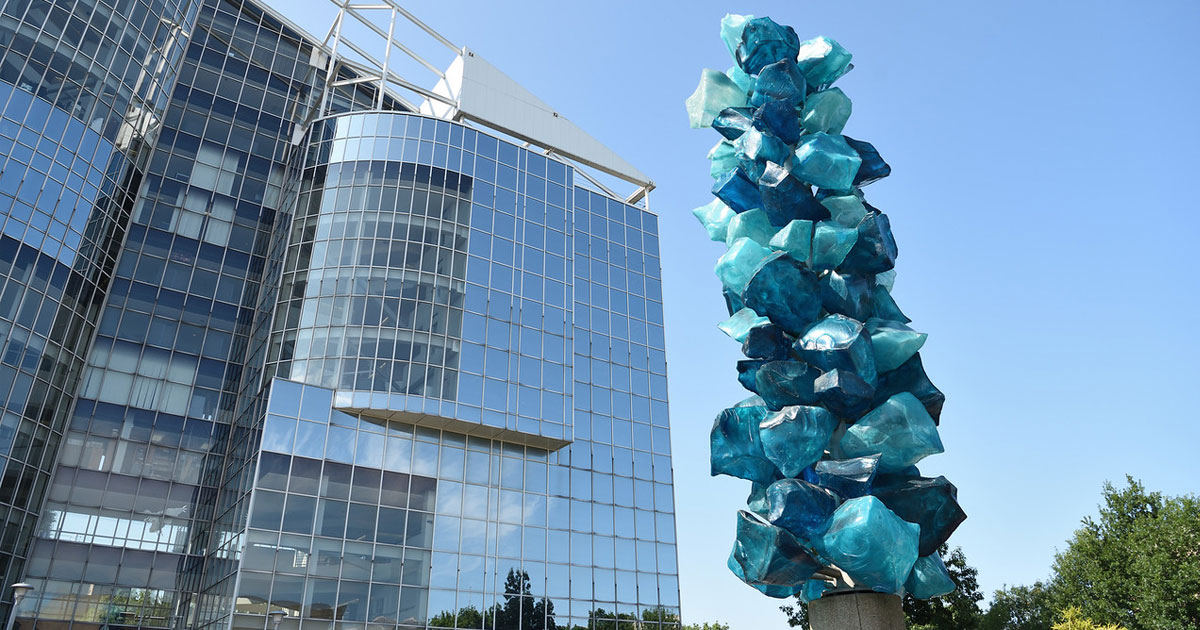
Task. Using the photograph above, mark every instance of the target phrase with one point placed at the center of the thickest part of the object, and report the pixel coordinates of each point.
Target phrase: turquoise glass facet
(823, 61)
(715, 92)
(795, 437)
(736, 266)
(826, 161)
(870, 543)
(714, 216)
(826, 111)
(900, 430)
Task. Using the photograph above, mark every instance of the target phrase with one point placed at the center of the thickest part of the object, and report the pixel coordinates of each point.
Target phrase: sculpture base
(856, 611)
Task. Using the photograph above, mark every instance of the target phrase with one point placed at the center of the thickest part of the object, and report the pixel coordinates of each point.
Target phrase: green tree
(1072, 619)
(1019, 608)
(1137, 564)
(716, 625)
(956, 611)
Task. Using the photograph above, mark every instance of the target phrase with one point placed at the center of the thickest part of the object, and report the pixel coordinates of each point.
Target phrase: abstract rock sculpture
(843, 410)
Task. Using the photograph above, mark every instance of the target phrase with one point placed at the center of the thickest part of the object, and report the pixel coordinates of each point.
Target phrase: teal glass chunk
(931, 503)
(739, 263)
(846, 210)
(786, 198)
(748, 373)
(795, 239)
(911, 378)
(739, 324)
(731, 31)
(875, 250)
(764, 42)
(870, 543)
(873, 167)
(767, 341)
(732, 122)
(929, 578)
(884, 307)
(785, 291)
(755, 148)
(766, 555)
(846, 294)
(813, 589)
(893, 343)
(848, 477)
(826, 161)
(831, 243)
(723, 159)
(739, 76)
(826, 111)
(714, 93)
(822, 61)
(900, 430)
(715, 217)
(780, 81)
(779, 118)
(841, 343)
(736, 449)
(785, 383)
(800, 507)
(737, 191)
(757, 501)
(751, 224)
(844, 393)
(795, 437)
(886, 279)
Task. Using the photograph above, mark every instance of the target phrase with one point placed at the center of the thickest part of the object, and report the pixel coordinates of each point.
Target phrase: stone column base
(856, 611)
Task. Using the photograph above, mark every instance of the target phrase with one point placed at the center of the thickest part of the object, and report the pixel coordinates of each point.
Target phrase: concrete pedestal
(856, 611)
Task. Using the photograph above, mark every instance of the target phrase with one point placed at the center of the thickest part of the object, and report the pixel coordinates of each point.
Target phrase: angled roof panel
(488, 96)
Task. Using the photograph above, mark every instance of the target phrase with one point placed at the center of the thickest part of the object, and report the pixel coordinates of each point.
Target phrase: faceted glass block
(739, 324)
(767, 341)
(911, 378)
(844, 393)
(714, 93)
(737, 191)
(847, 210)
(893, 342)
(785, 291)
(731, 31)
(723, 159)
(786, 198)
(875, 250)
(800, 507)
(822, 60)
(931, 503)
(766, 555)
(795, 239)
(929, 578)
(779, 118)
(736, 448)
(715, 218)
(886, 279)
(795, 437)
(739, 76)
(826, 111)
(900, 430)
(785, 383)
(764, 42)
(826, 161)
(838, 342)
(731, 123)
(779, 82)
(870, 543)
(813, 589)
(873, 167)
(848, 477)
(735, 267)
(751, 224)
(831, 243)
(884, 307)
(755, 148)
(845, 294)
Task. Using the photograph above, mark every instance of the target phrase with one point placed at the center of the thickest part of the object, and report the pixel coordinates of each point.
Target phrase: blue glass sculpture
(842, 409)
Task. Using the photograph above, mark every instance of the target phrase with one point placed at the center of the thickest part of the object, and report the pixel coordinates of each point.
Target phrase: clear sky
(1040, 155)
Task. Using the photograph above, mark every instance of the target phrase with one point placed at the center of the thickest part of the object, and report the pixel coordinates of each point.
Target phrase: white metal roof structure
(470, 89)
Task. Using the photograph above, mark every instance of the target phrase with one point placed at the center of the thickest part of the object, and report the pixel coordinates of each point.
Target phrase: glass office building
(273, 339)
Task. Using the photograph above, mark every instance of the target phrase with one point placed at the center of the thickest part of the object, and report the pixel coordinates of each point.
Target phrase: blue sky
(1039, 197)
